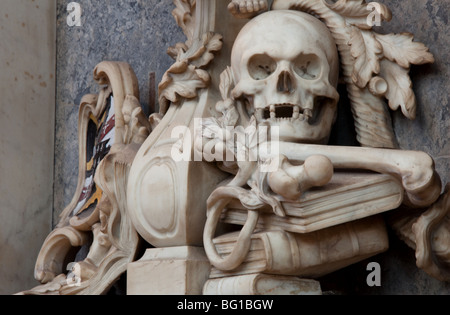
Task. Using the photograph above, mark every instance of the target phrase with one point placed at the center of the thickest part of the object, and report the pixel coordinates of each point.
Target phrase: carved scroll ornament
(112, 127)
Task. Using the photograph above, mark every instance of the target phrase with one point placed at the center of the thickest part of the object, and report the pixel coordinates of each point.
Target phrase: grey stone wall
(135, 31)
(140, 31)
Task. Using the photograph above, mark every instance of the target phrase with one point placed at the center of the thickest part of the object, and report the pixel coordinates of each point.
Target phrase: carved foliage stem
(188, 74)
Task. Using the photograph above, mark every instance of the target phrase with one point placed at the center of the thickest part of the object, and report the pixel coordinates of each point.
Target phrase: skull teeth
(296, 114)
(285, 112)
(260, 114)
(273, 113)
(308, 113)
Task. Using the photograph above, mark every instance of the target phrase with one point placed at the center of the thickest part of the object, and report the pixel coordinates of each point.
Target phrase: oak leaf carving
(401, 49)
(367, 52)
(400, 92)
(181, 81)
(204, 50)
(184, 14)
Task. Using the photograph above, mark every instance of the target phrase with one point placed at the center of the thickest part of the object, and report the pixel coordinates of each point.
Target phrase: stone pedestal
(169, 271)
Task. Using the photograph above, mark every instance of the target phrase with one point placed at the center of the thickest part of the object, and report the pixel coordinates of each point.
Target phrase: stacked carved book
(327, 229)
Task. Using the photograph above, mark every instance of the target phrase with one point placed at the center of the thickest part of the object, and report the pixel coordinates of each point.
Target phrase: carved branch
(184, 79)
(218, 200)
(103, 216)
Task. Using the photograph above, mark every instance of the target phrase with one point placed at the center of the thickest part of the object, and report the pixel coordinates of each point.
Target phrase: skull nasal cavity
(285, 82)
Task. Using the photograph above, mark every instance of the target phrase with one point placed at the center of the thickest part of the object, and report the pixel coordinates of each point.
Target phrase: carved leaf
(211, 129)
(181, 81)
(367, 52)
(210, 139)
(360, 13)
(399, 93)
(248, 137)
(264, 193)
(184, 16)
(185, 76)
(136, 125)
(401, 49)
(177, 51)
(252, 132)
(210, 44)
(231, 117)
(227, 106)
(226, 83)
(250, 200)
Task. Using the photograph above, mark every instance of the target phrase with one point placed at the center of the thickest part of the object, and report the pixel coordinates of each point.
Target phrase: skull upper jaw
(294, 122)
(298, 112)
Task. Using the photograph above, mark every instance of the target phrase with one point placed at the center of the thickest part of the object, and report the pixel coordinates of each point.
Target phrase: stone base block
(169, 271)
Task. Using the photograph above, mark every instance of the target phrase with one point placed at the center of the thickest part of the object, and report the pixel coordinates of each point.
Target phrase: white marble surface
(261, 284)
(27, 106)
(169, 271)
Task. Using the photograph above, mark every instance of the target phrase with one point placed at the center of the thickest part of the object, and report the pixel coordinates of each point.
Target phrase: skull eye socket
(261, 67)
(308, 66)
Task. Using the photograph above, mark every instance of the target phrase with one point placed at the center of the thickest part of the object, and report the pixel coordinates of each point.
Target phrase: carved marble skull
(286, 67)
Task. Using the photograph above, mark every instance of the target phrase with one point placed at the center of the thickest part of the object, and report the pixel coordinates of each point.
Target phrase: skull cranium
(286, 67)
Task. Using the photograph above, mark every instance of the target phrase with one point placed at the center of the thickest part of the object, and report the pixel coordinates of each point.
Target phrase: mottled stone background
(135, 31)
(140, 31)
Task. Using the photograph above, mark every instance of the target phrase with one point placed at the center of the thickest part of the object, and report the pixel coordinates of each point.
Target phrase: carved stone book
(260, 284)
(308, 255)
(347, 197)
